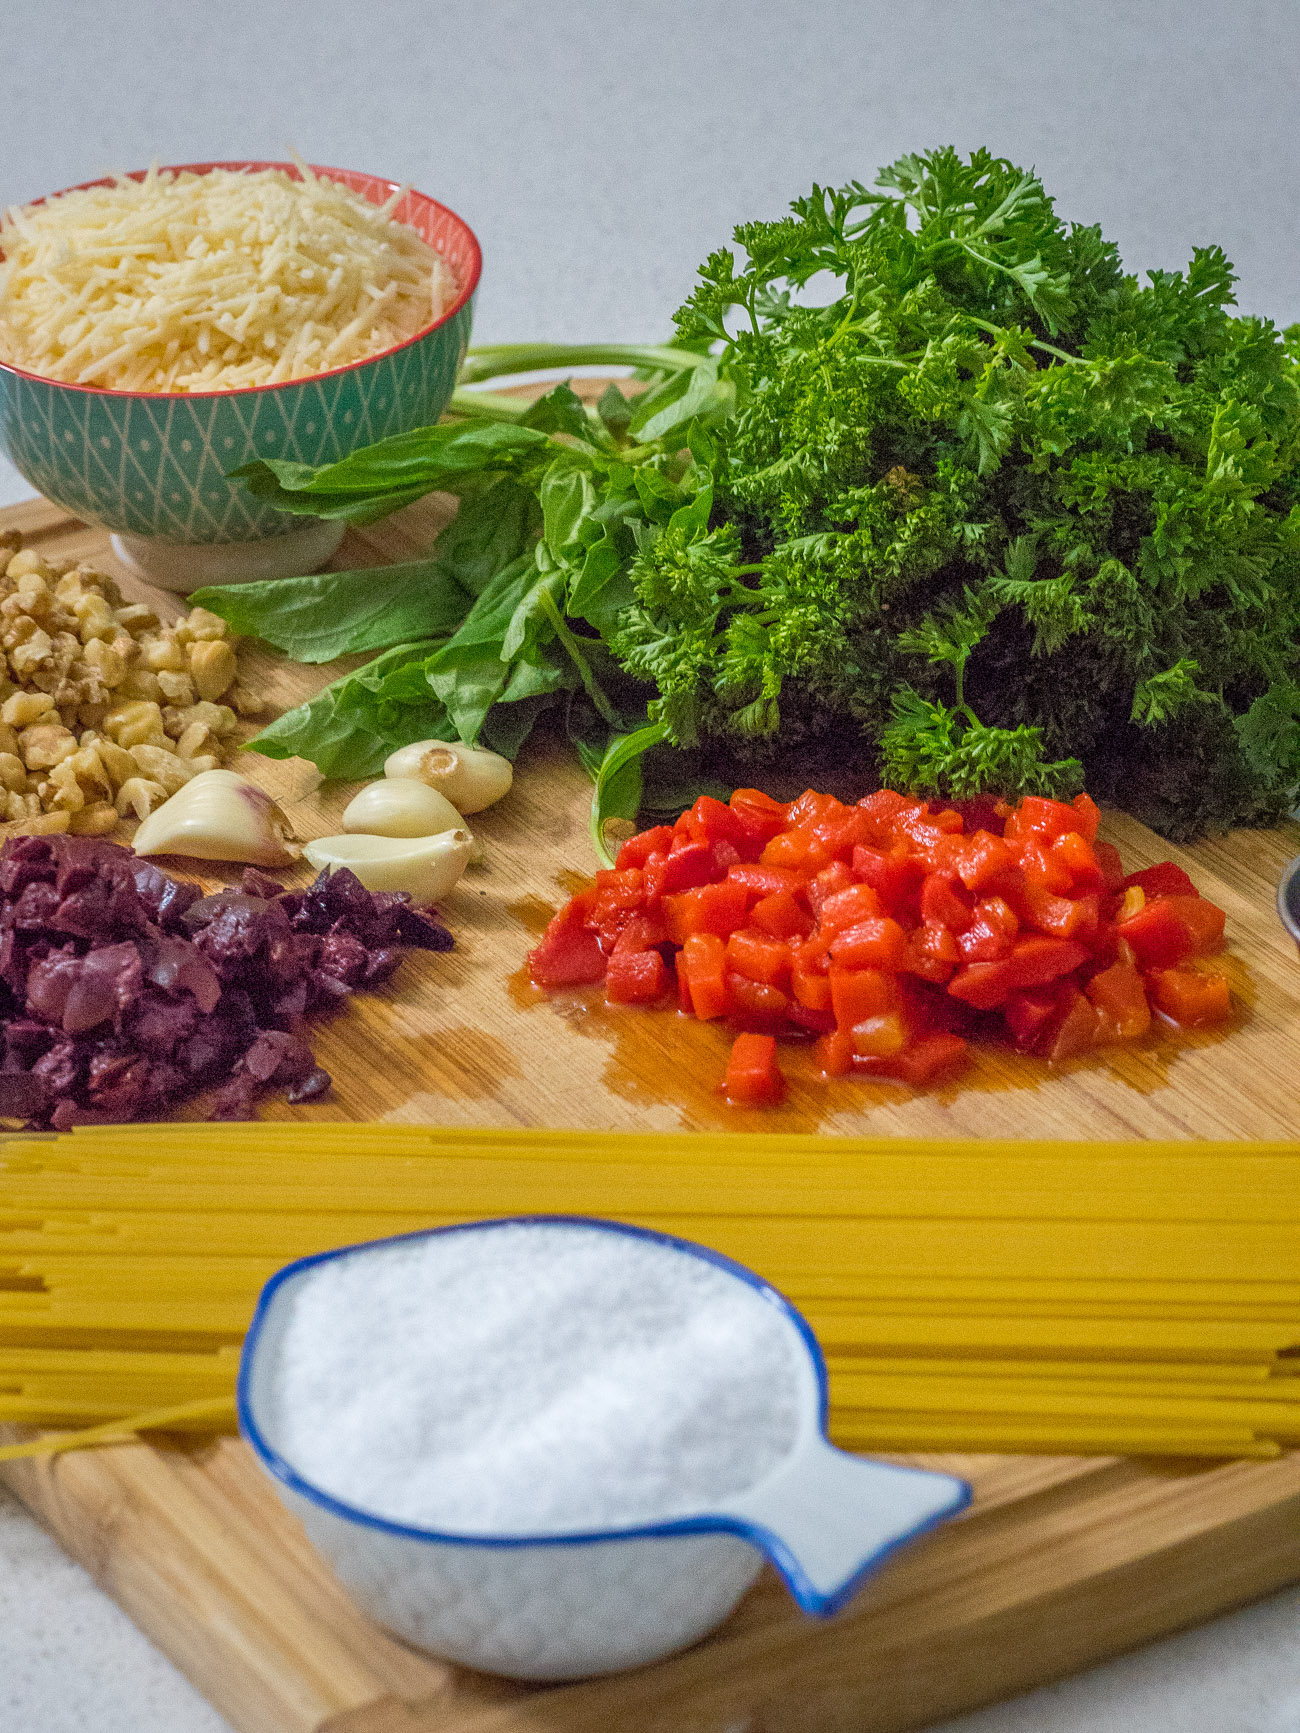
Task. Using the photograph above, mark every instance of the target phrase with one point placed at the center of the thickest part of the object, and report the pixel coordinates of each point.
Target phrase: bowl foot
(184, 566)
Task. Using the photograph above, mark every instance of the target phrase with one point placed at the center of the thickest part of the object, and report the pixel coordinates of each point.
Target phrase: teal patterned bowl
(153, 468)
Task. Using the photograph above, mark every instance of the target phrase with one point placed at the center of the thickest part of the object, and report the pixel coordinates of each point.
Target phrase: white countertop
(600, 151)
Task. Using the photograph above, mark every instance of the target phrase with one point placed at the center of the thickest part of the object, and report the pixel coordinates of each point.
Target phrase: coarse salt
(528, 1379)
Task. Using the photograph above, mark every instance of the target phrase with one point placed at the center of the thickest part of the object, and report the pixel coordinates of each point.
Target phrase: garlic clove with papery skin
(219, 815)
(400, 807)
(426, 868)
(471, 777)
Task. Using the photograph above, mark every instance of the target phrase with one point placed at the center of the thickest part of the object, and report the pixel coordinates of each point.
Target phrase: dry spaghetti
(1140, 1298)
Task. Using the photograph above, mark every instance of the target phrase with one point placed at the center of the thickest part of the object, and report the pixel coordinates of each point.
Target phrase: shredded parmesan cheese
(210, 282)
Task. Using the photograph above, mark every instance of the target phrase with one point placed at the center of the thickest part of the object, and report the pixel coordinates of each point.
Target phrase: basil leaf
(560, 411)
(695, 394)
(467, 673)
(618, 782)
(405, 460)
(568, 499)
(507, 726)
(599, 567)
(335, 730)
(329, 614)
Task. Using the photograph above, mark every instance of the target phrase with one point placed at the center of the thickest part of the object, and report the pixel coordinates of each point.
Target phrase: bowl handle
(826, 1518)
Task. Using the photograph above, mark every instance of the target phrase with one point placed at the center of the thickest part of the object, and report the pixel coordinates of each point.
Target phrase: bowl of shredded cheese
(161, 329)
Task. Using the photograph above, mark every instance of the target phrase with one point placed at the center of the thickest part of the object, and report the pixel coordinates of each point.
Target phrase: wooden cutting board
(1059, 1563)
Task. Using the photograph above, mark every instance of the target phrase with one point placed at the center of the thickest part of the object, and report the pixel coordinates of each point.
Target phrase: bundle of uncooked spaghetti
(1061, 1297)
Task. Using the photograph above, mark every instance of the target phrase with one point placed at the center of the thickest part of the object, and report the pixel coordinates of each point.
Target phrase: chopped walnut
(105, 710)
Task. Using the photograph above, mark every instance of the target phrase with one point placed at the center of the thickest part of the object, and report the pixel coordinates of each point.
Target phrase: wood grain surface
(1060, 1561)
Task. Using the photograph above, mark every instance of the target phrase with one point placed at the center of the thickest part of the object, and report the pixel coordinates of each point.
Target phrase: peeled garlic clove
(218, 815)
(471, 777)
(401, 807)
(425, 867)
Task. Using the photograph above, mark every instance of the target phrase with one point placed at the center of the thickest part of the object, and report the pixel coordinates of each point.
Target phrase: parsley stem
(489, 361)
(1030, 342)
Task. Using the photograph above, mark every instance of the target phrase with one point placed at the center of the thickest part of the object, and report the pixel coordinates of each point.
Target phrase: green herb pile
(997, 517)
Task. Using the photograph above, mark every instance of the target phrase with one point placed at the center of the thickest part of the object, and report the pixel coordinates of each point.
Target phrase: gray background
(600, 151)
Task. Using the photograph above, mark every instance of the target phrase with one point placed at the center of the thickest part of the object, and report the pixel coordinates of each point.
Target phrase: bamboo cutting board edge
(1061, 1562)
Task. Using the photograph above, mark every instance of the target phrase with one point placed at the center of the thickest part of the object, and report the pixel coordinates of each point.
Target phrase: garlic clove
(218, 815)
(471, 777)
(425, 867)
(400, 807)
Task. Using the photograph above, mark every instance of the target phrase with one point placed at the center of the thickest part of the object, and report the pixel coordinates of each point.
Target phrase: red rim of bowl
(475, 271)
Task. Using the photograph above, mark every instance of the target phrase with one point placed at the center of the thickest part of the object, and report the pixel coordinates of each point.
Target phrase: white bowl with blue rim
(154, 468)
(563, 1606)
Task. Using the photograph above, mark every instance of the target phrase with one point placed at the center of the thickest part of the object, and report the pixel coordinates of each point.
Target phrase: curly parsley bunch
(997, 517)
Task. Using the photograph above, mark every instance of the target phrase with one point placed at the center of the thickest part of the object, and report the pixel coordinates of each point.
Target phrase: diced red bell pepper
(928, 832)
(758, 815)
(684, 1002)
(716, 908)
(693, 864)
(810, 1018)
(828, 882)
(894, 876)
(859, 993)
(641, 933)
(625, 885)
(930, 1058)
(782, 915)
(635, 978)
(813, 992)
(755, 1001)
(1169, 929)
(991, 934)
(1033, 962)
(835, 1052)
(788, 848)
(883, 810)
(1027, 1015)
(1121, 998)
(812, 955)
(1088, 816)
(920, 1062)
(873, 943)
(1162, 880)
(1079, 857)
(753, 1076)
(977, 860)
(1079, 1030)
(1112, 867)
(1043, 869)
(943, 905)
(1190, 998)
(1048, 819)
(619, 894)
(710, 822)
(810, 807)
(932, 953)
(1065, 917)
(837, 835)
(879, 1037)
(764, 881)
(568, 954)
(636, 851)
(759, 957)
(703, 961)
